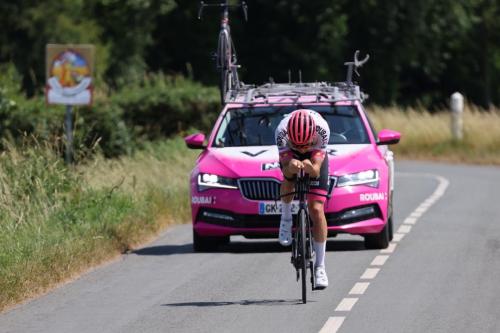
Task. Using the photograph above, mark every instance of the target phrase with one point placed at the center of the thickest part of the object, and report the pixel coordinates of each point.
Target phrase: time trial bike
(303, 255)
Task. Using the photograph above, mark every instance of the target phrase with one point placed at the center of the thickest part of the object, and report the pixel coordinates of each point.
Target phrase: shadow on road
(247, 247)
(345, 245)
(268, 302)
(164, 250)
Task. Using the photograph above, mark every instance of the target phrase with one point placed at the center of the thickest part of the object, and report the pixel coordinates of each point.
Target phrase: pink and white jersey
(317, 150)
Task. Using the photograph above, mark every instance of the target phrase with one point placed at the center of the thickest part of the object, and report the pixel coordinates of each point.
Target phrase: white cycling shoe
(321, 278)
(285, 235)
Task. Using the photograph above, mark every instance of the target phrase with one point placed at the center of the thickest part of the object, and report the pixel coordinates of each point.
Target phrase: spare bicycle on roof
(225, 57)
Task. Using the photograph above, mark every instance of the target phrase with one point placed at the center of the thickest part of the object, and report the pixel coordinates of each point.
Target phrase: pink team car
(235, 183)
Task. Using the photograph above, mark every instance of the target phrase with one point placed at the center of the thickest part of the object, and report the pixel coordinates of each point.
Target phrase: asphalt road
(441, 274)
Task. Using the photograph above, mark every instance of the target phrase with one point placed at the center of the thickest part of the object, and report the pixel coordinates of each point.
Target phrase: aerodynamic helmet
(301, 128)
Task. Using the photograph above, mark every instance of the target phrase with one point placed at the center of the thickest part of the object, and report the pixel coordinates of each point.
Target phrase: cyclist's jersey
(318, 148)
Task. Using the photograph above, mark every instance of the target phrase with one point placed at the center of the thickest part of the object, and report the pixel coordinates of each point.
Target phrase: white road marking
(370, 273)
(379, 260)
(390, 248)
(415, 215)
(359, 288)
(332, 325)
(410, 220)
(346, 304)
(425, 206)
(404, 229)
(421, 210)
(398, 237)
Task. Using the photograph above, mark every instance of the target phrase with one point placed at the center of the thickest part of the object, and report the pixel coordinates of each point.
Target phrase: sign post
(69, 134)
(69, 71)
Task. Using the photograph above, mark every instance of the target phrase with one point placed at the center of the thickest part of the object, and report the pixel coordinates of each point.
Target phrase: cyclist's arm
(313, 166)
(290, 167)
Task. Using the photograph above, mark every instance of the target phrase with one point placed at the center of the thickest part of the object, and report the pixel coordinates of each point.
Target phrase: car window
(346, 126)
(256, 126)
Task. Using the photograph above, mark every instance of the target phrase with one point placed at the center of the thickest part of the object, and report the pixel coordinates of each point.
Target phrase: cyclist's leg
(317, 213)
(316, 202)
(285, 232)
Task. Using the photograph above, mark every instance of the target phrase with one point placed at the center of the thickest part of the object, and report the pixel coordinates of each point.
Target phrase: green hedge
(157, 107)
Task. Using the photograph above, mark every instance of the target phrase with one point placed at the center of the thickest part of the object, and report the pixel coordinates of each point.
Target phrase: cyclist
(302, 137)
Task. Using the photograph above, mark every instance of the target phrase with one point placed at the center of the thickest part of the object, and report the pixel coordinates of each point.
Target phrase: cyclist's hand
(308, 167)
(295, 166)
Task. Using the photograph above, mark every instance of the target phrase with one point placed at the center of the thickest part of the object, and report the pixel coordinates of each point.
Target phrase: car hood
(262, 161)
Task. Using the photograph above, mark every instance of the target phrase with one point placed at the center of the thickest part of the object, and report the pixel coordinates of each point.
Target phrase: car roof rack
(325, 92)
(322, 92)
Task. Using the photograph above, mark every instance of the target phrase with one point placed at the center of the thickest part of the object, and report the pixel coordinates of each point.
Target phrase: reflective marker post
(69, 134)
(457, 111)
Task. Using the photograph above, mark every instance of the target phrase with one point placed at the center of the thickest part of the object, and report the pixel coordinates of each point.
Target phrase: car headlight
(207, 181)
(368, 178)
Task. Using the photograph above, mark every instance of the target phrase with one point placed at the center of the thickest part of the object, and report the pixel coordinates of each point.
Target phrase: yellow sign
(69, 71)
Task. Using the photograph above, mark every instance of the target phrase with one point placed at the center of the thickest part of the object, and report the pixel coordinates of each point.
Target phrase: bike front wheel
(303, 253)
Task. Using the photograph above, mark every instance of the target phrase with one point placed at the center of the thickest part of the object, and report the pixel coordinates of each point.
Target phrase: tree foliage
(421, 51)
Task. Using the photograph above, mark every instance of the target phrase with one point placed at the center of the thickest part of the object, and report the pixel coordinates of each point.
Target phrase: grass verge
(428, 136)
(56, 222)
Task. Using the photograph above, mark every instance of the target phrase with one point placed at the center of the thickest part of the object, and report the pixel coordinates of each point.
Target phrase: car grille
(260, 189)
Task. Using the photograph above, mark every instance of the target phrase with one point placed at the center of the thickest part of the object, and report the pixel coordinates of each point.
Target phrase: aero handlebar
(224, 6)
(354, 65)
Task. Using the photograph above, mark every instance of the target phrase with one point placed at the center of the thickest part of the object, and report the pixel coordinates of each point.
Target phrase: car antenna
(289, 76)
(300, 76)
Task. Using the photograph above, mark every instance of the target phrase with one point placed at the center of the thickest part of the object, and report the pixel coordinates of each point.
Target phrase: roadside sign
(69, 70)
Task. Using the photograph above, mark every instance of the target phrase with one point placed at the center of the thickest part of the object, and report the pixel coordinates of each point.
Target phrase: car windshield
(255, 126)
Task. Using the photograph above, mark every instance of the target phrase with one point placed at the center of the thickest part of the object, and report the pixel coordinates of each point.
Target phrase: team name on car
(371, 196)
(270, 166)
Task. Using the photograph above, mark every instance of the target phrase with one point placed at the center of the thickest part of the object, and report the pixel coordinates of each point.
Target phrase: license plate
(274, 207)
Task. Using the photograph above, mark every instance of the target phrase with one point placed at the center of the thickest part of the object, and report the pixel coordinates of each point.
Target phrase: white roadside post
(457, 111)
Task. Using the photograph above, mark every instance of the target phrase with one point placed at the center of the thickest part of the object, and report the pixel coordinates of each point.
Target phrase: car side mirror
(388, 137)
(195, 141)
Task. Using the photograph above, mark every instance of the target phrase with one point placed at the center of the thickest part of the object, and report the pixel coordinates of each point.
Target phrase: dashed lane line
(370, 273)
(379, 260)
(391, 248)
(346, 304)
(359, 288)
(398, 237)
(334, 323)
(404, 229)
